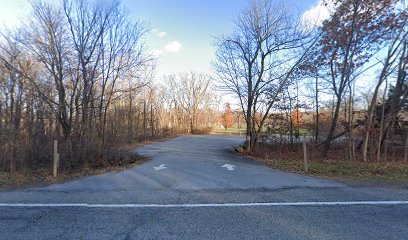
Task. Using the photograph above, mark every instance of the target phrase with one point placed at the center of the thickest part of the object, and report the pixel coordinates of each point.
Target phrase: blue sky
(193, 24)
(182, 30)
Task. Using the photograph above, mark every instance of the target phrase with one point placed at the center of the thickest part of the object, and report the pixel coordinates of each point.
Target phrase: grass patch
(290, 159)
(392, 172)
(230, 131)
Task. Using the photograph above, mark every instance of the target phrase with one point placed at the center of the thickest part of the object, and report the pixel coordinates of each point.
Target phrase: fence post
(55, 159)
(305, 155)
(406, 149)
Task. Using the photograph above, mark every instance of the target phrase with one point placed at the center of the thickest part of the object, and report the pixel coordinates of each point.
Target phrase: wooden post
(56, 159)
(305, 155)
(406, 149)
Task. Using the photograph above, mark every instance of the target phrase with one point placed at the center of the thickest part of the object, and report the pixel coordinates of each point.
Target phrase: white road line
(203, 205)
(161, 167)
(229, 167)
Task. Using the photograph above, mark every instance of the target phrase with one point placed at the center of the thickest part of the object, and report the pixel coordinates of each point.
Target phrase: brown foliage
(227, 117)
(297, 118)
(294, 152)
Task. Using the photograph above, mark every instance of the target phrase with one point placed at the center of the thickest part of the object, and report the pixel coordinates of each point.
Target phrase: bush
(203, 131)
(121, 157)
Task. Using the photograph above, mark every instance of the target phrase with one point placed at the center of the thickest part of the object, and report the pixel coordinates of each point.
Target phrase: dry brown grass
(43, 177)
(116, 159)
(335, 166)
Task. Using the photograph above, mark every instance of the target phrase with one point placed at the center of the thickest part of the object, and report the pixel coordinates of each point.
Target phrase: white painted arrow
(158, 168)
(229, 167)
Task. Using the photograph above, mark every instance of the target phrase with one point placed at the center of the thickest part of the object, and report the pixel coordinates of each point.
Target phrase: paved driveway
(195, 187)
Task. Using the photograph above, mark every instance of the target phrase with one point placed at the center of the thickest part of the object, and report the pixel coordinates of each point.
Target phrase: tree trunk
(380, 138)
(350, 125)
(317, 111)
(332, 127)
(152, 120)
(144, 121)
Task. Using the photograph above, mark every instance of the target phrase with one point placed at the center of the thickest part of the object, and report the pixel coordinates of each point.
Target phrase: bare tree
(351, 36)
(255, 61)
(46, 38)
(194, 88)
(123, 56)
(394, 50)
(87, 24)
(68, 65)
(190, 101)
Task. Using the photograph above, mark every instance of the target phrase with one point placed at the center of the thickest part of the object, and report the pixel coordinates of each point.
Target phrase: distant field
(231, 131)
(302, 132)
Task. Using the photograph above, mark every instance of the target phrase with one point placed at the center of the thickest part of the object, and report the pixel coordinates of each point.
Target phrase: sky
(181, 31)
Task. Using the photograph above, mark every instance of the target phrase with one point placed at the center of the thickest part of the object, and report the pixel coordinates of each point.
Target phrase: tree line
(81, 73)
(275, 62)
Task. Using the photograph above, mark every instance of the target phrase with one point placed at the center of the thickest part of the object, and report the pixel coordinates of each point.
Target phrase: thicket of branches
(257, 60)
(80, 73)
(191, 102)
(276, 65)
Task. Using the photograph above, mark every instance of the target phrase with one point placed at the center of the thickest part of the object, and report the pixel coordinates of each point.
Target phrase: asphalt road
(196, 188)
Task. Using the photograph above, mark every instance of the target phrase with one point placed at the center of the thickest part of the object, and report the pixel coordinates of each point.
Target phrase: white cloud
(317, 14)
(173, 46)
(402, 4)
(157, 52)
(161, 34)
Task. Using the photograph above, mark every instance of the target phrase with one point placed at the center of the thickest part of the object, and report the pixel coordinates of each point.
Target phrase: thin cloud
(157, 52)
(315, 16)
(173, 46)
(161, 34)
